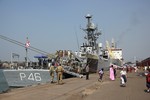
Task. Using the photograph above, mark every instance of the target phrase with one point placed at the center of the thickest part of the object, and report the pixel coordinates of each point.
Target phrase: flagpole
(26, 48)
(11, 57)
(26, 57)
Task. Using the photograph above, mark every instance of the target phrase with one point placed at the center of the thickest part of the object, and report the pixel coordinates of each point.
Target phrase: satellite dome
(88, 16)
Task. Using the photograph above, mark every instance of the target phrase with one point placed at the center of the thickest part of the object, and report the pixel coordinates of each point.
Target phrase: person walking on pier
(59, 71)
(51, 70)
(87, 71)
(148, 80)
(123, 77)
(111, 73)
(115, 74)
(101, 73)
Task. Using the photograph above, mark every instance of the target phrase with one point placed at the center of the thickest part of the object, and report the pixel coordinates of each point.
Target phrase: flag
(15, 55)
(27, 43)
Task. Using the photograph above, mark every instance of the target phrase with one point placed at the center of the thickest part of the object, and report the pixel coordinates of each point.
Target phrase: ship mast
(92, 33)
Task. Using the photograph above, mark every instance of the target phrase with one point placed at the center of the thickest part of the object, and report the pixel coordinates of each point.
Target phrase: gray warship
(90, 52)
(94, 54)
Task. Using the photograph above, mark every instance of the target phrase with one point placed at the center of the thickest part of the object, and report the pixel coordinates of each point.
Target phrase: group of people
(112, 75)
(123, 76)
(59, 71)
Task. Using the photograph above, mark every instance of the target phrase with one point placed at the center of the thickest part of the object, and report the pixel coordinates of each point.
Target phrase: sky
(52, 25)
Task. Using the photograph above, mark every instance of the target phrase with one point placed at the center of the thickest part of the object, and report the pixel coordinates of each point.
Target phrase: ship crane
(23, 45)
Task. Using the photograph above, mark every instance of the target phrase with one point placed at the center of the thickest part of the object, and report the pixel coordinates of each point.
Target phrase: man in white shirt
(123, 77)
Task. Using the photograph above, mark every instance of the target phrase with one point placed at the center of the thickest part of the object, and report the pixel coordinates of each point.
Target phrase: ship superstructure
(90, 50)
(93, 53)
(90, 46)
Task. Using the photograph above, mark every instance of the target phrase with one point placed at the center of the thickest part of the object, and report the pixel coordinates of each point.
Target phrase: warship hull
(96, 63)
(92, 60)
(12, 78)
(3, 83)
(25, 77)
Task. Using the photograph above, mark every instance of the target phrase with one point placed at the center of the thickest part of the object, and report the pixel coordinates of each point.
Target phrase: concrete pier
(81, 89)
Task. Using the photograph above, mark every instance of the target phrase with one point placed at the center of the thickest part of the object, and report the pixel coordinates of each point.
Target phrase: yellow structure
(109, 50)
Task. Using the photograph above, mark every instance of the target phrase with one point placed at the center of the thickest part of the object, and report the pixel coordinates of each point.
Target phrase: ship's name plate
(31, 76)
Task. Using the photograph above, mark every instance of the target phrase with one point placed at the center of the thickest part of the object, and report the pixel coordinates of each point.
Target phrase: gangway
(67, 70)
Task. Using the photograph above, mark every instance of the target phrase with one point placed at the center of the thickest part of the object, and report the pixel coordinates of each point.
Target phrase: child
(101, 73)
(148, 80)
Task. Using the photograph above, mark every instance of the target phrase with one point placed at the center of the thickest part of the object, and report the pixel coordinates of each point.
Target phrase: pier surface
(81, 89)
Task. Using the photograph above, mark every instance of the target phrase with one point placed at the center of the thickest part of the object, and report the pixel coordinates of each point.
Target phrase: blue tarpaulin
(42, 56)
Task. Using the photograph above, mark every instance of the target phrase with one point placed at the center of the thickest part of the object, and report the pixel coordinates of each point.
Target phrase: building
(145, 62)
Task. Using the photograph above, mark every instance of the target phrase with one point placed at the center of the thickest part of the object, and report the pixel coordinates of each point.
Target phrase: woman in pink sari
(111, 73)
